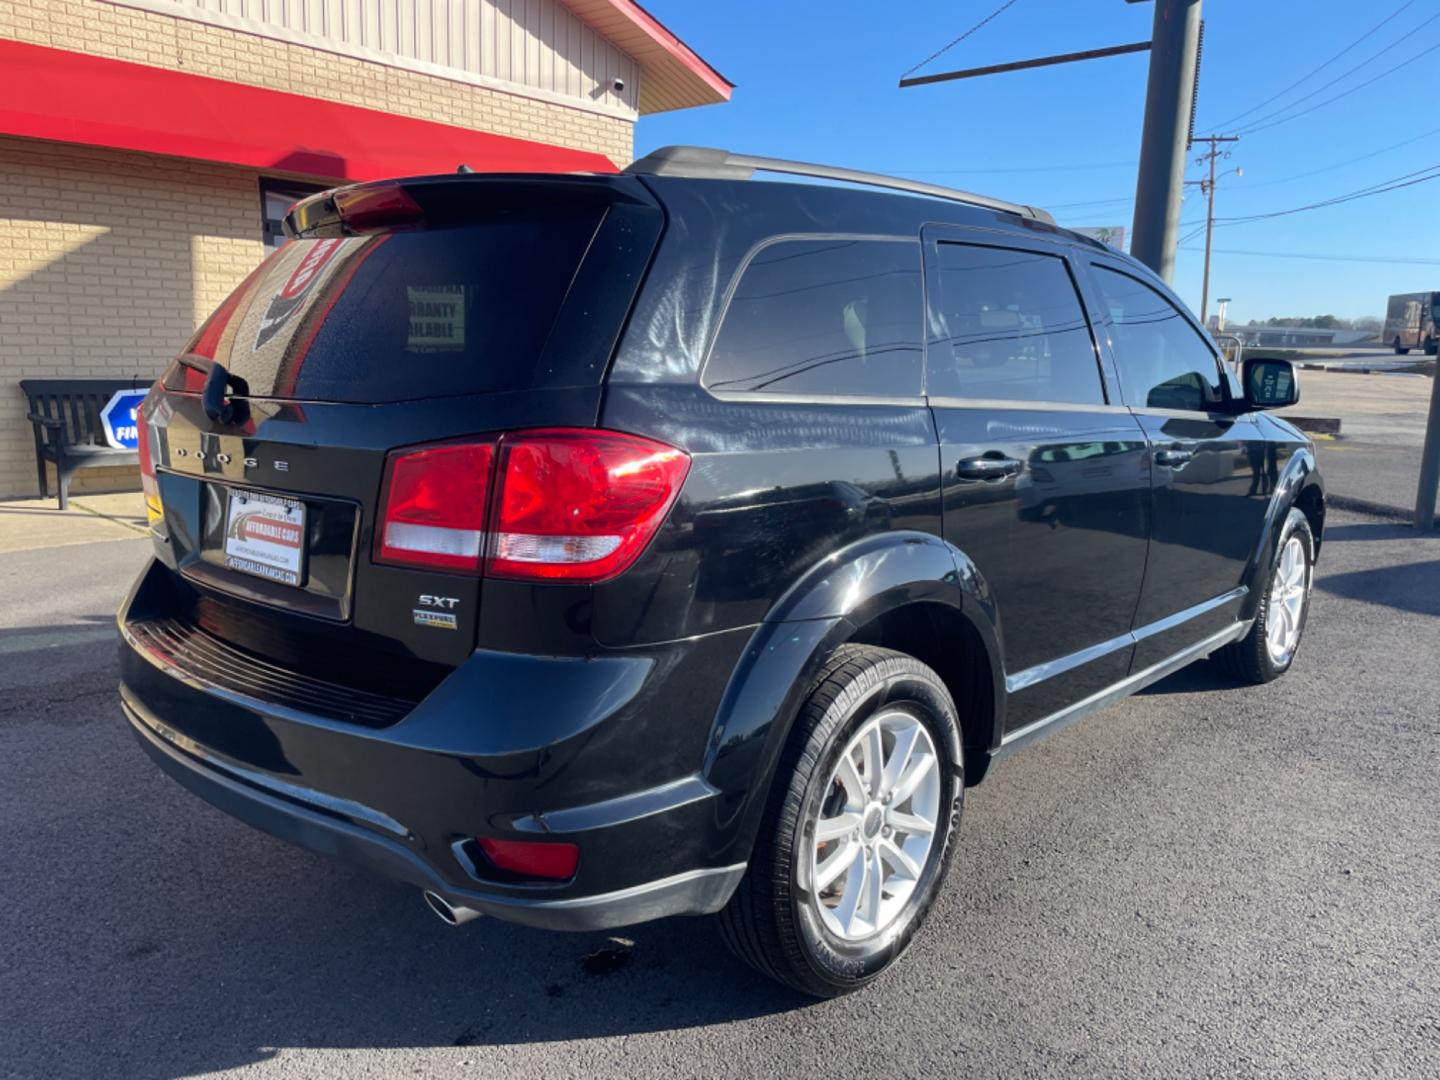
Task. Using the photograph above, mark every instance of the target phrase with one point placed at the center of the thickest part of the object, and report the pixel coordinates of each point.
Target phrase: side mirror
(1269, 383)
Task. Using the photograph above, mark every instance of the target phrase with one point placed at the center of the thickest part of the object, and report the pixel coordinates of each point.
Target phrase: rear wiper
(217, 381)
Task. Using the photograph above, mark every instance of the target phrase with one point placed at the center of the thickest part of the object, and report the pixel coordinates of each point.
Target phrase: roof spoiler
(445, 198)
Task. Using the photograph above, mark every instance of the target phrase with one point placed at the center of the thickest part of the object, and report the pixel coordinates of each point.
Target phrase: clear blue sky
(816, 80)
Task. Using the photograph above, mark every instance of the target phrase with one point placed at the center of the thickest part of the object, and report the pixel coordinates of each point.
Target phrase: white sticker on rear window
(437, 318)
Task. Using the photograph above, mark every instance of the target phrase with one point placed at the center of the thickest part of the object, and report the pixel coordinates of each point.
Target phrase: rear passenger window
(1008, 324)
(1164, 362)
(837, 316)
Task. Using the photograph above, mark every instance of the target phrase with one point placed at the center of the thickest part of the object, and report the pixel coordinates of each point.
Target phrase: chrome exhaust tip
(451, 914)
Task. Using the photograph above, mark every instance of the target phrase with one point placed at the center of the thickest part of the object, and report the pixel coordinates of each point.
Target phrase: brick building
(149, 147)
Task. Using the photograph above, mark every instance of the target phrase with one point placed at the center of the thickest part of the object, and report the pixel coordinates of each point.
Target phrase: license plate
(265, 536)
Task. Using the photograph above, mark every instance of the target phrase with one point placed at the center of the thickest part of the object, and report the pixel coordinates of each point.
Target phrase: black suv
(590, 549)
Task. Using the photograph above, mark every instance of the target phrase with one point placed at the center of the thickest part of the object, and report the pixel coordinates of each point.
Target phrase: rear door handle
(988, 468)
(1172, 457)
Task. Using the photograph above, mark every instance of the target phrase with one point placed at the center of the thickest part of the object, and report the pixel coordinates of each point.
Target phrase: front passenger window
(1164, 362)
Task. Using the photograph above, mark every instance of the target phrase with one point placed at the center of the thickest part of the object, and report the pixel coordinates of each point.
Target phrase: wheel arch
(1310, 501)
(894, 590)
(1299, 487)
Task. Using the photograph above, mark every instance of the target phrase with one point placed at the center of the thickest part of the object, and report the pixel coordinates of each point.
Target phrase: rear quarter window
(824, 316)
(399, 315)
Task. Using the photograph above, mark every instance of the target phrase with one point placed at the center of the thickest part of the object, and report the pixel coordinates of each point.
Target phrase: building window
(276, 197)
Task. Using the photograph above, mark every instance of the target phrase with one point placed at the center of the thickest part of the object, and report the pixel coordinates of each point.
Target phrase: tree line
(1322, 322)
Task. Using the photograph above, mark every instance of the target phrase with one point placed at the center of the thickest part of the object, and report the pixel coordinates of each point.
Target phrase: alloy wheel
(1289, 590)
(875, 828)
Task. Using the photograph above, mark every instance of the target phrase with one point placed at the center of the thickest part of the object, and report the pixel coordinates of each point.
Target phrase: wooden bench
(65, 414)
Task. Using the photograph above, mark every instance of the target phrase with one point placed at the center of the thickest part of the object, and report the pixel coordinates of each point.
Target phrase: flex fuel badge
(428, 615)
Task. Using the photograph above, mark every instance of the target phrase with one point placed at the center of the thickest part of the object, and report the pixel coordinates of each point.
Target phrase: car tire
(778, 921)
(1269, 649)
(1400, 350)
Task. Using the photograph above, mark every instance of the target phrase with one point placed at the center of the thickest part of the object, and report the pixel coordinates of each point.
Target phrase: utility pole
(1208, 188)
(1169, 113)
(1429, 461)
(1174, 48)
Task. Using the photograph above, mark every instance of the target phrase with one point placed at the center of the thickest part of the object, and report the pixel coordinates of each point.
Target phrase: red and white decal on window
(290, 298)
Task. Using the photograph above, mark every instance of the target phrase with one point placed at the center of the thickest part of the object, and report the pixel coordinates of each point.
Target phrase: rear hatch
(404, 314)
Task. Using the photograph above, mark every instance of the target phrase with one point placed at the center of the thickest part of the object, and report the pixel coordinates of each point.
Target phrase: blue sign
(121, 419)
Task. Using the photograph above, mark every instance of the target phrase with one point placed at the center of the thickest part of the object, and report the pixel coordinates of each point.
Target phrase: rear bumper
(493, 751)
(693, 892)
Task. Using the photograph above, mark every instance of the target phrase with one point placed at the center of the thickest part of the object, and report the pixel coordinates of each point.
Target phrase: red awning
(74, 98)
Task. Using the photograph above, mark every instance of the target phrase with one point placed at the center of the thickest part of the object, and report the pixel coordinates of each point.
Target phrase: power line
(1431, 172)
(1022, 169)
(1419, 176)
(1126, 199)
(1384, 50)
(1300, 176)
(1090, 202)
(1343, 94)
(942, 51)
(1281, 180)
(1348, 161)
(1397, 260)
(1312, 72)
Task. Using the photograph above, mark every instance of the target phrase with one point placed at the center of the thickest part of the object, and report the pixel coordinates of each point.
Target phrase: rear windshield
(399, 315)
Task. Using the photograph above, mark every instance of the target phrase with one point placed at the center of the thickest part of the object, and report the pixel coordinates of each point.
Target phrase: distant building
(1291, 336)
(149, 148)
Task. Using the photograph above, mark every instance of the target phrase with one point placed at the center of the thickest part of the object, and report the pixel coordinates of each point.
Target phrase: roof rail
(711, 164)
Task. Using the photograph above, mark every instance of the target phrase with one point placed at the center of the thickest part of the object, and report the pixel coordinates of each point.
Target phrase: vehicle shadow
(1197, 678)
(182, 942)
(320, 956)
(1375, 530)
(1413, 587)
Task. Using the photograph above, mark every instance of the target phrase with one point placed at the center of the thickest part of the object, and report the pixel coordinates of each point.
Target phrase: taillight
(551, 860)
(579, 505)
(574, 505)
(434, 506)
(146, 451)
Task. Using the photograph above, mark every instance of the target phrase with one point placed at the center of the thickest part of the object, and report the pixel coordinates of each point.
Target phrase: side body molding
(823, 610)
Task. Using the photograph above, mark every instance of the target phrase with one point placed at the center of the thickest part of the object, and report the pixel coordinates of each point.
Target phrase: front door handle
(987, 467)
(1172, 457)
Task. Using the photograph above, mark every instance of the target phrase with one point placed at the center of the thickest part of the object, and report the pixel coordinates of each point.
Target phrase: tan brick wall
(108, 262)
(109, 259)
(91, 26)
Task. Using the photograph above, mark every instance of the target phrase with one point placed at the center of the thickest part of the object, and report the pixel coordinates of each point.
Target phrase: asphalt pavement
(1375, 463)
(1206, 880)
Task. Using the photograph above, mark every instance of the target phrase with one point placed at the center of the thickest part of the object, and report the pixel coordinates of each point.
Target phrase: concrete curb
(1374, 509)
(1359, 370)
(1316, 425)
(131, 525)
